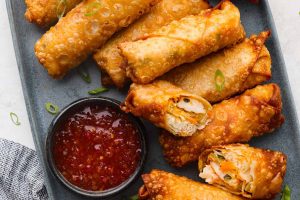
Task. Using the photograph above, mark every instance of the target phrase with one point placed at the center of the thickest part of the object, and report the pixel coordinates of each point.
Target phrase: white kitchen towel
(21, 177)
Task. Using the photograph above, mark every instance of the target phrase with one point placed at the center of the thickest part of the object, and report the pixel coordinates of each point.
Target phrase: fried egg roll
(243, 170)
(182, 41)
(161, 185)
(243, 66)
(83, 30)
(168, 107)
(109, 57)
(45, 13)
(237, 120)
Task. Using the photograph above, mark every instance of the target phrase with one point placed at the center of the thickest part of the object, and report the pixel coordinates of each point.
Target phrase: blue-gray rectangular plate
(39, 88)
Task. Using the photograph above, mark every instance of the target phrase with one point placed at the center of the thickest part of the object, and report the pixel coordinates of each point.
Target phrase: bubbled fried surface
(161, 185)
(254, 113)
(244, 66)
(83, 30)
(269, 168)
(109, 57)
(151, 101)
(182, 41)
(45, 12)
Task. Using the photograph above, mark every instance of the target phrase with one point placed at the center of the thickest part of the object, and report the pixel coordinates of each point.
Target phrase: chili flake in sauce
(97, 148)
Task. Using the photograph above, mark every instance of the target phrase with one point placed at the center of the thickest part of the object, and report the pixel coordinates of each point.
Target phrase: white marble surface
(285, 13)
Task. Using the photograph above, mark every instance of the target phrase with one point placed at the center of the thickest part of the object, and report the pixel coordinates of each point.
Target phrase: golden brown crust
(161, 185)
(151, 101)
(244, 66)
(255, 112)
(109, 56)
(182, 41)
(269, 168)
(45, 12)
(83, 30)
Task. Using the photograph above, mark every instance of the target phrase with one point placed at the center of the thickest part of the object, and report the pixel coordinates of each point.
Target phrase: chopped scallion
(14, 118)
(51, 108)
(84, 74)
(98, 91)
(219, 80)
(286, 193)
(61, 8)
(92, 8)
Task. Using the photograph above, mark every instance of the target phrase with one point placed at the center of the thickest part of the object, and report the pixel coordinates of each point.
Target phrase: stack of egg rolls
(254, 113)
(45, 13)
(83, 30)
(161, 185)
(168, 107)
(109, 58)
(182, 41)
(243, 66)
(251, 172)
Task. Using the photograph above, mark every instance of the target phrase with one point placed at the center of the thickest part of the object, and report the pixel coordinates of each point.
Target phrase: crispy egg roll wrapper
(109, 57)
(46, 12)
(168, 107)
(161, 185)
(83, 30)
(237, 120)
(243, 170)
(182, 41)
(243, 66)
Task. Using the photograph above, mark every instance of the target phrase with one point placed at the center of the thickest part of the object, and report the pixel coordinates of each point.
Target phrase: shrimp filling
(235, 175)
(186, 115)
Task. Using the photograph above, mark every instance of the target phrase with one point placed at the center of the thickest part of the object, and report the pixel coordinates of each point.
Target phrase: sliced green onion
(98, 91)
(84, 74)
(227, 177)
(61, 8)
(14, 118)
(134, 197)
(219, 80)
(92, 8)
(51, 108)
(221, 157)
(286, 193)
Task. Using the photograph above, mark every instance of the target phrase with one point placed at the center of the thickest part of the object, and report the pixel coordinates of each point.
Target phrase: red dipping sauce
(97, 148)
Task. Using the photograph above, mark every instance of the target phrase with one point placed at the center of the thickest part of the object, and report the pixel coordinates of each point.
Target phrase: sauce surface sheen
(97, 148)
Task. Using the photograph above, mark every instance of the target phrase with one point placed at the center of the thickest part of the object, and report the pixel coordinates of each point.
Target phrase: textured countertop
(287, 19)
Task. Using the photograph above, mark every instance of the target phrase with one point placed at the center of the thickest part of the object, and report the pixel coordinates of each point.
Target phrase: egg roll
(83, 30)
(254, 113)
(243, 170)
(161, 185)
(168, 107)
(45, 13)
(243, 66)
(109, 57)
(182, 41)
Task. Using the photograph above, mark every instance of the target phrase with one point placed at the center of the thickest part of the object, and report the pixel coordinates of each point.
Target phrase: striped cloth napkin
(21, 177)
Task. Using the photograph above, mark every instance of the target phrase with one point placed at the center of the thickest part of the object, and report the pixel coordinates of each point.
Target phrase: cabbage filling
(235, 175)
(186, 115)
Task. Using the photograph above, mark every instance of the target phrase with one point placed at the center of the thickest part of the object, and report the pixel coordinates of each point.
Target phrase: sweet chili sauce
(97, 147)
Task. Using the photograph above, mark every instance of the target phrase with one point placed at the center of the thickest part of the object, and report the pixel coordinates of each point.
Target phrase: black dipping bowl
(64, 114)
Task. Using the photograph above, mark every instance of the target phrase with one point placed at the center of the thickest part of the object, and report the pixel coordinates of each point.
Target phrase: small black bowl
(60, 118)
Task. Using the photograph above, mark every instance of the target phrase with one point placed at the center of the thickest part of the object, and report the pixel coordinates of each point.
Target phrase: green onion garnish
(98, 91)
(92, 8)
(227, 177)
(14, 118)
(61, 8)
(286, 193)
(84, 74)
(219, 80)
(51, 108)
(134, 197)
